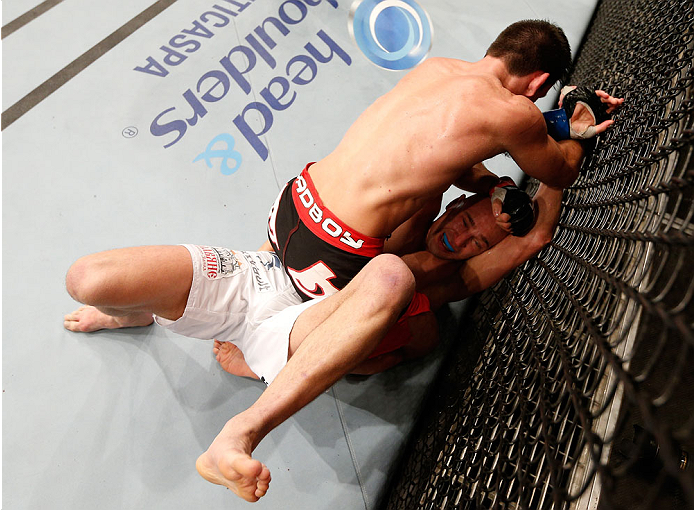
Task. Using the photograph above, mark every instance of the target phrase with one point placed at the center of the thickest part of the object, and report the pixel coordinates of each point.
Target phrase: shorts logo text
(329, 226)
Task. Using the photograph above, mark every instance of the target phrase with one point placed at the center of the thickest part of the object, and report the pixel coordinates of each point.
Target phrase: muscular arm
(484, 270)
(553, 163)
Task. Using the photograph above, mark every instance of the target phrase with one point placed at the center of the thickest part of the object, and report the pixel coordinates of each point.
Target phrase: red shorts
(399, 333)
(319, 252)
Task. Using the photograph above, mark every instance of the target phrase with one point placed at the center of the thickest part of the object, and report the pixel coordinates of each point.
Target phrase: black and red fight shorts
(319, 252)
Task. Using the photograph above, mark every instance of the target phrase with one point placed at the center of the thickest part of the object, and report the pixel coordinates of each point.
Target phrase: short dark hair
(534, 45)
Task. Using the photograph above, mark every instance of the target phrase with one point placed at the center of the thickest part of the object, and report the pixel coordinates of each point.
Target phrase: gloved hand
(584, 113)
(516, 204)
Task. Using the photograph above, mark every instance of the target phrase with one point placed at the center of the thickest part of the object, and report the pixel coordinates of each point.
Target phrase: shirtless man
(431, 131)
(323, 339)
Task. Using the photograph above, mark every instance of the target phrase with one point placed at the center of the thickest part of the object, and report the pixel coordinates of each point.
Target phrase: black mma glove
(516, 203)
(558, 121)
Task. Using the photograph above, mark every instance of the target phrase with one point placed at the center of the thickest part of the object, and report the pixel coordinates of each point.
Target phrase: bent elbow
(539, 240)
(564, 178)
(545, 239)
(561, 179)
(571, 176)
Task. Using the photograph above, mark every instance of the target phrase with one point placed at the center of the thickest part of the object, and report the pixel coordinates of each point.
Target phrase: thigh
(320, 254)
(354, 301)
(317, 268)
(155, 279)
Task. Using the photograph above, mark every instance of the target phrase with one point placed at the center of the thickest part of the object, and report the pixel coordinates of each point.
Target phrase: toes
(243, 475)
(263, 482)
(246, 467)
(71, 321)
(73, 316)
(264, 477)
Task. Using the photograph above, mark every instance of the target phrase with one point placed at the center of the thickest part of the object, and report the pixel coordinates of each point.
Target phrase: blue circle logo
(393, 34)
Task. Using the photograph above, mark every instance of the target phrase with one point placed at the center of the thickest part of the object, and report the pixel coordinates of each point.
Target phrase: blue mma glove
(516, 203)
(559, 121)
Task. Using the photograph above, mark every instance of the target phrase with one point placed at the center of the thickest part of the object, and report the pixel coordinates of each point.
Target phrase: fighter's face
(466, 229)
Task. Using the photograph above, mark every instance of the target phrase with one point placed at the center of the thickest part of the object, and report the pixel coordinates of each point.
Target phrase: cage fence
(571, 387)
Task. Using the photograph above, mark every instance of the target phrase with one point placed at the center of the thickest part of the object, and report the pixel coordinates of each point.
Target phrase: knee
(83, 280)
(390, 280)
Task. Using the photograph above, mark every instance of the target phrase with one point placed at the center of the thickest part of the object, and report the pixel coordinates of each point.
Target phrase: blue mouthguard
(447, 243)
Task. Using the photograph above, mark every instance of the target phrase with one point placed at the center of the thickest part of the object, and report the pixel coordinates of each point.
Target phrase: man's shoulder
(518, 114)
(445, 63)
(436, 69)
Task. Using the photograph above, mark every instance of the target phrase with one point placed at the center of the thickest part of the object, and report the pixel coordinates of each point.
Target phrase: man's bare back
(441, 119)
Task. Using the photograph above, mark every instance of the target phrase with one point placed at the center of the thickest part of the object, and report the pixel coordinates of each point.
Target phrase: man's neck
(496, 67)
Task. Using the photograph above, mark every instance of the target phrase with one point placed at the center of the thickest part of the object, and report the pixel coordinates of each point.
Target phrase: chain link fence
(573, 385)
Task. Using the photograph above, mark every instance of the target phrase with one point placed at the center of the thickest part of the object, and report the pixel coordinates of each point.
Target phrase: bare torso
(413, 143)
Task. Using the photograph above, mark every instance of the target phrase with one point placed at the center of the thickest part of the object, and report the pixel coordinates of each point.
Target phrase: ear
(538, 80)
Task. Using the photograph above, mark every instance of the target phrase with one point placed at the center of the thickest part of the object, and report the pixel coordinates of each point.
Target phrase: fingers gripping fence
(573, 386)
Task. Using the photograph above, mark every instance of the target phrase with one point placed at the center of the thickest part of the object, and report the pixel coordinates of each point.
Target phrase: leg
(327, 342)
(125, 287)
(424, 332)
(424, 329)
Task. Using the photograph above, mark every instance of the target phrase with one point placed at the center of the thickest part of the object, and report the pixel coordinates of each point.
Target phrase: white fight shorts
(241, 297)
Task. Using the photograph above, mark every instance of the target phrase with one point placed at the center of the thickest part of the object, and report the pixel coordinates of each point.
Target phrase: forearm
(429, 269)
(410, 235)
(554, 163)
(548, 206)
(573, 152)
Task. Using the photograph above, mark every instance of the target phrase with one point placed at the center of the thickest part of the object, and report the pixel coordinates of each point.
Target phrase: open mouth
(447, 243)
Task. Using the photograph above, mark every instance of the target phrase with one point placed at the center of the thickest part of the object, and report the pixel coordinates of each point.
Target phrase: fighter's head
(529, 46)
(467, 228)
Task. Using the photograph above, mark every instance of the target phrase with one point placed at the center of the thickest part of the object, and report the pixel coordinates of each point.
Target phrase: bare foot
(87, 319)
(231, 359)
(228, 462)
